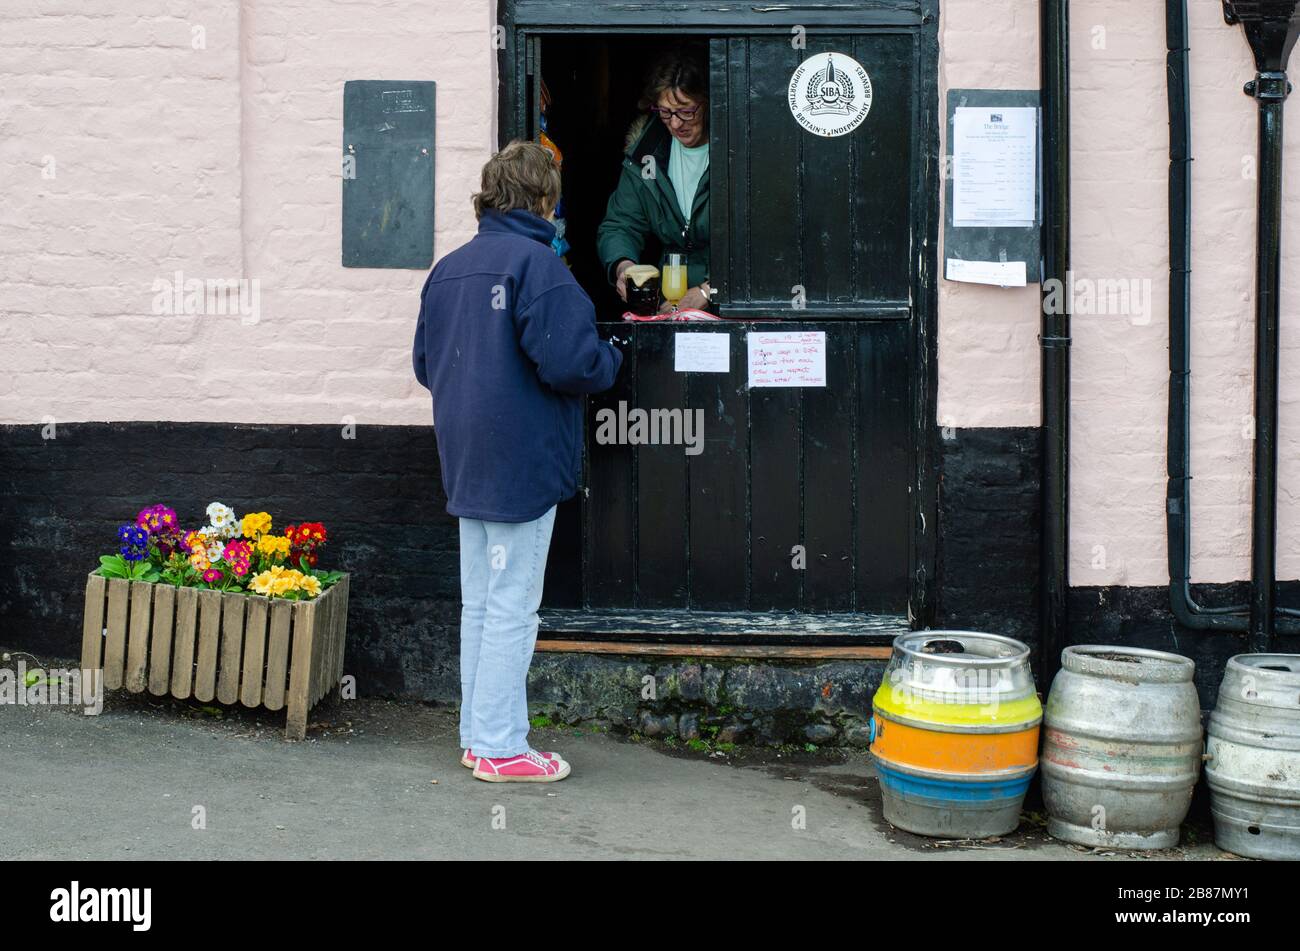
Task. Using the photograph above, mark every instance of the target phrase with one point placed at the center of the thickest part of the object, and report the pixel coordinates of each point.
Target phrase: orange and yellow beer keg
(955, 733)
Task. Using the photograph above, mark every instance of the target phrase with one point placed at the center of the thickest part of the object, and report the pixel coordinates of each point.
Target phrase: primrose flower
(135, 542)
(212, 575)
(256, 524)
(262, 581)
(223, 521)
(273, 546)
(310, 585)
(236, 549)
(237, 555)
(158, 520)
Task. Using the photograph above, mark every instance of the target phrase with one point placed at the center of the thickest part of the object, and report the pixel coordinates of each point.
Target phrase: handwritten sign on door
(702, 353)
(787, 358)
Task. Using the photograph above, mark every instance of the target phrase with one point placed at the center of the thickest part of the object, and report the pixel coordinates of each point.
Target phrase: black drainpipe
(1054, 339)
(1271, 28)
(1178, 498)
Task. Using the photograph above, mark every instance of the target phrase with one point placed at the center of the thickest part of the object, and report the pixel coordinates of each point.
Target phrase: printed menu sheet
(994, 167)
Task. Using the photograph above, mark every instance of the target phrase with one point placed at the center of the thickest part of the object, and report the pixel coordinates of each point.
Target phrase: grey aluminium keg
(1253, 757)
(1121, 747)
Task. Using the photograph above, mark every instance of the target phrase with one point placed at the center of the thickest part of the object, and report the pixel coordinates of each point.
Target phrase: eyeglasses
(686, 115)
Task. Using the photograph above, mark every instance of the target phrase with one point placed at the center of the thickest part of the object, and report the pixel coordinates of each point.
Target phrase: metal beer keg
(1253, 761)
(1121, 747)
(955, 733)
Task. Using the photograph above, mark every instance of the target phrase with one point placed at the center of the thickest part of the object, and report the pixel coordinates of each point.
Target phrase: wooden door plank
(883, 435)
(881, 197)
(661, 478)
(719, 496)
(826, 181)
(776, 500)
(610, 532)
(828, 428)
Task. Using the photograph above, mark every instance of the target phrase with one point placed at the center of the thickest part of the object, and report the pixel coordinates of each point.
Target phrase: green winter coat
(641, 207)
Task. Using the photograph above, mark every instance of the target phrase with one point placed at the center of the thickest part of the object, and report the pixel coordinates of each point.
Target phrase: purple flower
(157, 520)
(135, 542)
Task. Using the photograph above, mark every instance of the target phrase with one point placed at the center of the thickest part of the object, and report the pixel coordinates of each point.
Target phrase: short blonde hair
(522, 175)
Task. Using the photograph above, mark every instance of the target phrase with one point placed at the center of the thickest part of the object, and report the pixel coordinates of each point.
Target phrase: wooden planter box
(232, 647)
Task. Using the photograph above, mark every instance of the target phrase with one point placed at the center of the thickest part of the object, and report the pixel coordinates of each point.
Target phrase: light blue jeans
(502, 567)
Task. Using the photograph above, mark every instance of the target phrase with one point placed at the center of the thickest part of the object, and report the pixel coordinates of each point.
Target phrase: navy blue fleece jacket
(506, 343)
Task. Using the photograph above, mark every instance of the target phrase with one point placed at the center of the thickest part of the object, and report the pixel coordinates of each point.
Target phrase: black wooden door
(808, 501)
(798, 500)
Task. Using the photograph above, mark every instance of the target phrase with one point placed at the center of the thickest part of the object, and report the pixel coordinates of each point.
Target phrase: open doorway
(593, 84)
(803, 513)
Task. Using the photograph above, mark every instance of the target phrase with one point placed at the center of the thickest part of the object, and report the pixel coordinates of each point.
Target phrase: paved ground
(378, 779)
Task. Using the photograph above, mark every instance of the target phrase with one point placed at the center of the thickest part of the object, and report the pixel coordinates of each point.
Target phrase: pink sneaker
(468, 759)
(530, 767)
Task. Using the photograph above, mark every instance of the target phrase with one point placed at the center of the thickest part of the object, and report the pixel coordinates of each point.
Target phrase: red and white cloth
(689, 313)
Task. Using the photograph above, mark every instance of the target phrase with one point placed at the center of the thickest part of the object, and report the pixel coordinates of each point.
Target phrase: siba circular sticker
(830, 94)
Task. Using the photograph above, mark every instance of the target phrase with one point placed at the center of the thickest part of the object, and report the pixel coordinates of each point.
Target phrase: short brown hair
(681, 68)
(522, 175)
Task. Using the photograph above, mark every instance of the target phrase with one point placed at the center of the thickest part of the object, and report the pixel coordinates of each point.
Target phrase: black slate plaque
(388, 132)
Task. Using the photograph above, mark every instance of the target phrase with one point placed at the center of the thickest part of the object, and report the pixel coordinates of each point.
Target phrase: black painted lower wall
(379, 493)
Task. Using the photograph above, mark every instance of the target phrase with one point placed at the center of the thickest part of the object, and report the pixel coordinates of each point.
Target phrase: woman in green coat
(663, 191)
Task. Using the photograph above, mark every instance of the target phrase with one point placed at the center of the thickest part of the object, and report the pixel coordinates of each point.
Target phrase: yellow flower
(268, 582)
(200, 560)
(256, 524)
(274, 546)
(278, 581)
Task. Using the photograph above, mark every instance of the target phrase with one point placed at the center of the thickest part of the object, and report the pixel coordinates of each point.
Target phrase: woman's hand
(697, 298)
(620, 284)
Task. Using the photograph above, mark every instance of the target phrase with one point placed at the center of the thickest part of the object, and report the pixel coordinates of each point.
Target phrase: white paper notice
(1001, 273)
(994, 167)
(702, 353)
(787, 358)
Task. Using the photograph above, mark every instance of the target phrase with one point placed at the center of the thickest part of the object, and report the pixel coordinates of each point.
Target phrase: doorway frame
(518, 19)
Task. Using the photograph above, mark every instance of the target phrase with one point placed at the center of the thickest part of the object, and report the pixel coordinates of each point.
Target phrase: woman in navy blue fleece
(506, 343)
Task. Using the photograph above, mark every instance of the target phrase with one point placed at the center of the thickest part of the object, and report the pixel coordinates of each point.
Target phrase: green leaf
(113, 567)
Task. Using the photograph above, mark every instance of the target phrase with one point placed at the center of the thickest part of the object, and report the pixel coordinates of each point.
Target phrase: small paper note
(702, 353)
(1001, 273)
(787, 358)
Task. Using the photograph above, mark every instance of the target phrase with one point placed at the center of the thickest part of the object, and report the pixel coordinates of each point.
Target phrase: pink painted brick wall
(219, 165)
(988, 353)
(130, 154)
